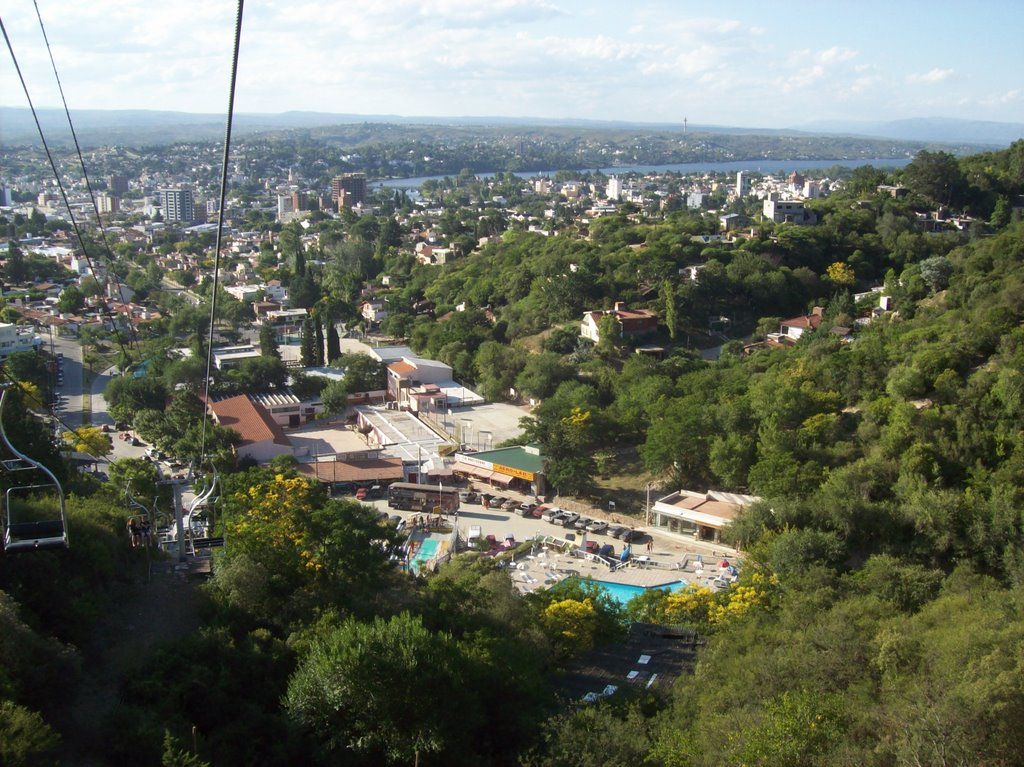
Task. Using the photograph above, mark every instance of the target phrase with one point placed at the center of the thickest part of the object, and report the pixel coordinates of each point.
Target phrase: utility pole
(177, 485)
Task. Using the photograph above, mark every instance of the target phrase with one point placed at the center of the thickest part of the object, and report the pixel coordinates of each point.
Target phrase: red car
(361, 494)
(592, 547)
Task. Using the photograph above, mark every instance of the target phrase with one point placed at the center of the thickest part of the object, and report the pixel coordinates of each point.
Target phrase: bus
(424, 498)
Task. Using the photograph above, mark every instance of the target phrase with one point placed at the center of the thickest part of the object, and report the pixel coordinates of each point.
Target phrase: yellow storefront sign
(512, 472)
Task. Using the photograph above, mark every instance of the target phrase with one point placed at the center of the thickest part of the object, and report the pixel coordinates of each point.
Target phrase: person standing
(134, 532)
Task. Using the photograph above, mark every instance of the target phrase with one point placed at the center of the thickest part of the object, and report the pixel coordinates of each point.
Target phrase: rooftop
(248, 419)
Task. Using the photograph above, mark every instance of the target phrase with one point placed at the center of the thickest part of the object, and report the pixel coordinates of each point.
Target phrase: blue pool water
(426, 552)
(622, 592)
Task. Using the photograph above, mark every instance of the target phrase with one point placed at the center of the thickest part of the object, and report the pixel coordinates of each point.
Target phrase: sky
(738, 63)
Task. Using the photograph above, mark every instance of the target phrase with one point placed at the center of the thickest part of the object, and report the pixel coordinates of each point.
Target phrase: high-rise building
(349, 189)
(118, 185)
(6, 196)
(108, 203)
(614, 189)
(177, 205)
(742, 184)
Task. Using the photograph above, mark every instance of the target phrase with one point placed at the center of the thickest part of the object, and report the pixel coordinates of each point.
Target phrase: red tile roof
(249, 419)
(402, 368)
(374, 469)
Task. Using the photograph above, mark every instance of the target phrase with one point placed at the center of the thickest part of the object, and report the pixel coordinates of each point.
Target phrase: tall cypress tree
(308, 348)
(333, 342)
(268, 341)
(318, 328)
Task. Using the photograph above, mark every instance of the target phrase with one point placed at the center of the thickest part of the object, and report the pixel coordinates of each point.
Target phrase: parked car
(592, 547)
(632, 535)
(597, 526)
(550, 513)
(581, 523)
(486, 497)
(361, 494)
(617, 531)
(536, 512)
(607, 550)
(510, 504)
(525, 508)
(568, 519)
(474, 533)
(496, 502)
(467, 496)
(343, 488)
(375, 491)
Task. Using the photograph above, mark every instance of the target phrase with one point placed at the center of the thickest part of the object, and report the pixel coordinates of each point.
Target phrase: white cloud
(935, 75)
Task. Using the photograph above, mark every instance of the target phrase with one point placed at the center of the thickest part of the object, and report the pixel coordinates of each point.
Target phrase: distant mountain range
(136, 127)
(945, 129)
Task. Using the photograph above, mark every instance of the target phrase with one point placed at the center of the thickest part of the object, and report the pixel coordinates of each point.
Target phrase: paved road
(69, 404)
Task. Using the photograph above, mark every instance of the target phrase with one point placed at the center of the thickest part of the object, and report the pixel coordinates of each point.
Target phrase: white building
(614, 189)
(701, 515)
(787, 211)
(14, 338)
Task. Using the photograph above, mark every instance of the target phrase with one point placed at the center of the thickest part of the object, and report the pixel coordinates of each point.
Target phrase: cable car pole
(179, 527)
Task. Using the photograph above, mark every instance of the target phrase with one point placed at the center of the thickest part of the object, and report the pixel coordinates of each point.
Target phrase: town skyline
(531, 59)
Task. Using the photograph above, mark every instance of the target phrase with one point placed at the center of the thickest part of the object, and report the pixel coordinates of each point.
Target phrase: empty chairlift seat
(33, 513)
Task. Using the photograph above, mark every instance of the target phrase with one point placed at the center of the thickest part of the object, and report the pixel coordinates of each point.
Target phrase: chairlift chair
(27, 528)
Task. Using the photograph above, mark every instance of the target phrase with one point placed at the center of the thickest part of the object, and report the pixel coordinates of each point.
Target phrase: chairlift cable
(85, 174)
(220, 224)
(56, 175)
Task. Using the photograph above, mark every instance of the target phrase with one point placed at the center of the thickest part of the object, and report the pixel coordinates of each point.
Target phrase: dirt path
(142, 615)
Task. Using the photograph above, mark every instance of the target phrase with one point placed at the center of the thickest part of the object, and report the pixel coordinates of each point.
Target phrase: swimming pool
(622, 592)
(425, 553)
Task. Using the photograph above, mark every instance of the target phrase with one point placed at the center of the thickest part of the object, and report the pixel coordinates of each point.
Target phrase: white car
(551, 513)
(568, 519)
(474, 533)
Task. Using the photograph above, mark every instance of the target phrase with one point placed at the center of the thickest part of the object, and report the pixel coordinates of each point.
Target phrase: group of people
(138, 531)
(426, 521)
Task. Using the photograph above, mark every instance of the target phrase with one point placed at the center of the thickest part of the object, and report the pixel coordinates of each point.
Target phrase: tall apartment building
(743, 186)
(118, 185)
(108, 203)
(349, 189)
(177, 205)
(613, 191)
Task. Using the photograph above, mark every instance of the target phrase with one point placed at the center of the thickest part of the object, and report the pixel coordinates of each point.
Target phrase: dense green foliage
(878, 618)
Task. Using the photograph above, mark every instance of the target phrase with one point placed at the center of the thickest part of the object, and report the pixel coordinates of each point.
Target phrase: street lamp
(648, 516)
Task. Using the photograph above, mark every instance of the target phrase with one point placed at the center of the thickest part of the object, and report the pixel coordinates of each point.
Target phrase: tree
(137, 476)
(935, 272)
(333, 341)
(610, 342)
(938, 176)
(542, 374)
(498, 366)
(268, 341)
(307, 350)
(91, 440)
(372, 688)
(569, 448)
(26, 739)
(71, 299)
(840, 275)
(670, 308)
